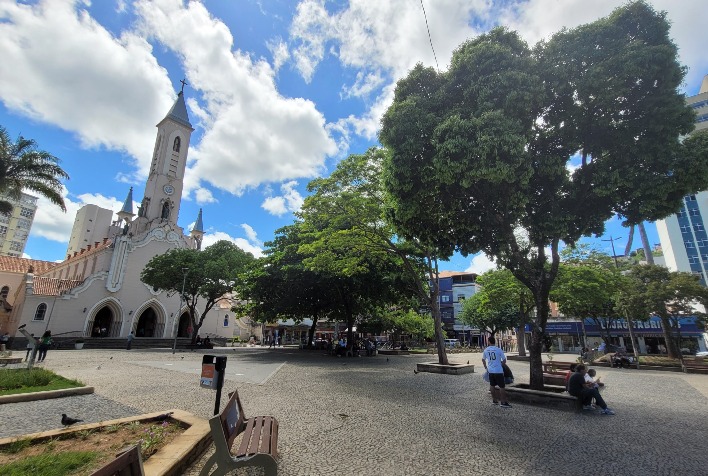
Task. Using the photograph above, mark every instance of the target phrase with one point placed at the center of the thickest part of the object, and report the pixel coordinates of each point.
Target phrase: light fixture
(84, 309)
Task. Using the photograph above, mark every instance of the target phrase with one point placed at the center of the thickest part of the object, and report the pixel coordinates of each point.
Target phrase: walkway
(367, 416)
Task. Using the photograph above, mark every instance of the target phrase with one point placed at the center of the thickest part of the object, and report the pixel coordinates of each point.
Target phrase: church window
(166, 210)
(175, 146)
(4, 292)
(226, 320)
(41, 311)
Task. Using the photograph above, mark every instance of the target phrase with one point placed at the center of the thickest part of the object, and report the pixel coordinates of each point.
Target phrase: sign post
(213, 369)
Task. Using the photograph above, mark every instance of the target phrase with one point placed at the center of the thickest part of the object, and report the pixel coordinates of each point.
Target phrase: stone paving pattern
(374, 416)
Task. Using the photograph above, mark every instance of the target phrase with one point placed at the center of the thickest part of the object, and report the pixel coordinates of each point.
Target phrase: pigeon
(183, 357)
(386, 359)
(112, 359)
(22, 326)
(68, 421)
(468, 362)
(163, 417)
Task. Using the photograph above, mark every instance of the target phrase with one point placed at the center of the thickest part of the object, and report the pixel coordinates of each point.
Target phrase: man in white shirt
(492, 359)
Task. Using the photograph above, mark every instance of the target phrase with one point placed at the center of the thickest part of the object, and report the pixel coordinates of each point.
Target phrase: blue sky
(279, 91)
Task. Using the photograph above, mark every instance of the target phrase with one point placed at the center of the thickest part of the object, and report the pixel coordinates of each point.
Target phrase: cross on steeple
(184, 83)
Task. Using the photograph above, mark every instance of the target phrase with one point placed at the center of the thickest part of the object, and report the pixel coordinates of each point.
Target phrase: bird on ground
(163, 417)
(386, 359)
(68, 421)
(183, 357)
(99, 367)
(112, 358)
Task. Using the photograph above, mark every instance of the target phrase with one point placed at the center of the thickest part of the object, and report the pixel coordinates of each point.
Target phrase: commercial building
(683, 236)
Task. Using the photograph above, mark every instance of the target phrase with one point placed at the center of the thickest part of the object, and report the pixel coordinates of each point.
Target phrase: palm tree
(24, 167)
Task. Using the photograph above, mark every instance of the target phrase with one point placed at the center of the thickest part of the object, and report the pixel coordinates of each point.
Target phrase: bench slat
(256, 435)
(247, 433)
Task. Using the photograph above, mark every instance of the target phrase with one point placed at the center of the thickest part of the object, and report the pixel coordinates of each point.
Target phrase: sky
(279, 91)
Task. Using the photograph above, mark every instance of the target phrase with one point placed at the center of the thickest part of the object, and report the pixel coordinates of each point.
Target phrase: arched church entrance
(102, 323)
(148, 324)
(184, 325)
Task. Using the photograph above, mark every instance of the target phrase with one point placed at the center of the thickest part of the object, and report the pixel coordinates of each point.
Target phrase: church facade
(96, 291)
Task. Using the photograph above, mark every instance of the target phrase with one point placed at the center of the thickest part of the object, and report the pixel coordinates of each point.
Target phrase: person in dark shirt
(579, 388)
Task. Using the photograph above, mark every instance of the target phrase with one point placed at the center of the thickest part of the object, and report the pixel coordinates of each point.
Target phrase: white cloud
(480, 264)
(250, 233)
(69, 71)
(290, 201)
(51, 223)
(279, 50)
(255, 135)
(204, 195)
(245, 245)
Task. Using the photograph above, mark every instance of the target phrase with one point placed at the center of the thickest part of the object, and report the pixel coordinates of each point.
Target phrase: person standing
(30, 345)
(130, 338)
(493, 359)
(44, 342)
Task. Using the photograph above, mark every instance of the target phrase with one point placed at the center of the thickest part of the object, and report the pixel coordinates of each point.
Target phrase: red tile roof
(12, 264)
(448, 274)
(53, 286)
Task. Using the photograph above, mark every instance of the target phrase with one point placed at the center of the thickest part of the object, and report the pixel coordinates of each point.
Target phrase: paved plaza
(374, 416)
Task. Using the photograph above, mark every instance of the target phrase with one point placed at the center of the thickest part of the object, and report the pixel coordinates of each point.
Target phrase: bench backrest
(127, 463)
(232, 418)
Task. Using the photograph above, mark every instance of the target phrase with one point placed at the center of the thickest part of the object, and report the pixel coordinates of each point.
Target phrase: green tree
(501, 303)
(24, 167)
(280, 286)
(211, 275)
(585, 291)
(479, 154)
(349, 207)
(669, 295)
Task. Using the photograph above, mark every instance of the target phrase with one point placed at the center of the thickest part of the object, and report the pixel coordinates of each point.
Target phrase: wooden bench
(697, 365)
(558, 379)
(555, 367)
(258, 446)
(127, 463)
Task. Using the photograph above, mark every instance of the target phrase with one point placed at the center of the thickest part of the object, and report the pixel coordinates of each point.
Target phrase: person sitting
(569, 373)
(198, 341)
(590, 378)
(207, 343)
(586, 392)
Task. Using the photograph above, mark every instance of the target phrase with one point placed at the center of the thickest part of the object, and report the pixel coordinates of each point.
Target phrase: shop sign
(686, 325)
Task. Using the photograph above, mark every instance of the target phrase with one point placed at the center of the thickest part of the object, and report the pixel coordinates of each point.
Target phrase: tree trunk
(435, 310)
(520, 339)
(628, 248)
(645, 243)
(535, 362)
(311, 332)
(671, 348)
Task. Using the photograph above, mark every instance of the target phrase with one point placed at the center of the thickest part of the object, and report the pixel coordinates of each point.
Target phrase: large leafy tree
(25, 167)
(586, 291)
(480, 153)
(501, 303)
(280, 286)
(349, 209)
(211, 275)
(667, 294)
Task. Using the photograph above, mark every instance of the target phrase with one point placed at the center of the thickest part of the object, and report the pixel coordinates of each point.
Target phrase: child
(590, 378)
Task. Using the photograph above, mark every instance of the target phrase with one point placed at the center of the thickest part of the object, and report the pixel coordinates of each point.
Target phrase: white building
(683, 236)
(15, 228)
(96, 291)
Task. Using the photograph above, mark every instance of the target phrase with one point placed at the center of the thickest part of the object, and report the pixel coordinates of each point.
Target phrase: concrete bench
(259, 441)
(696, 365)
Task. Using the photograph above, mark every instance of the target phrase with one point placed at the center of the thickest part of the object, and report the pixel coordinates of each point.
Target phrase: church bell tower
(163, 190)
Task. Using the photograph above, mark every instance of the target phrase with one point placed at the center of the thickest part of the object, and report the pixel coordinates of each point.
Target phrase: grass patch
(14, 381)
(49, 464)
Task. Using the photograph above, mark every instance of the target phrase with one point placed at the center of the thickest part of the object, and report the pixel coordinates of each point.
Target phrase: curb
(29, 397)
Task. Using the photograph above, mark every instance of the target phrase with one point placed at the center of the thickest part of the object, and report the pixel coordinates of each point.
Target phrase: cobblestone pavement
(374, 416)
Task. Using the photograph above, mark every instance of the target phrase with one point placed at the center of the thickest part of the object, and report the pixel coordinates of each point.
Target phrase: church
(96, 291)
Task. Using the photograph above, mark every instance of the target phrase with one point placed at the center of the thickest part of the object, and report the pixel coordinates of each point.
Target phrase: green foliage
(501, 303)
(14, 381)
(211, 275)
(153, 437)
(16, 446)
(49, 464)
(482, 151)
(24, 167)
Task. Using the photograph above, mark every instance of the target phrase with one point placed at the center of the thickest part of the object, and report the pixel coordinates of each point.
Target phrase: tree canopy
(480, 154)
(25, 167)
(211, 274)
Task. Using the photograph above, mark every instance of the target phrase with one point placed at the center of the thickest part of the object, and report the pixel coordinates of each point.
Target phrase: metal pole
(176, 323)
(612, 242)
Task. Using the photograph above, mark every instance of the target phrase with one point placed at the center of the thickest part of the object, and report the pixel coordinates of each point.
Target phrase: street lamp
(176, 323)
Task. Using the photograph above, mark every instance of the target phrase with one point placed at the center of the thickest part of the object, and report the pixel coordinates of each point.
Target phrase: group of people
(581, 383)
(43, 344)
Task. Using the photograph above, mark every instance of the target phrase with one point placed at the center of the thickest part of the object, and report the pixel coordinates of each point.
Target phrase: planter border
(171, 460)
(449, 369)
(32, 396)
(553, 400)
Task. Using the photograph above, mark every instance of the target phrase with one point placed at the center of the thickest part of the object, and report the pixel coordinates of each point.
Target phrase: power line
(429, 37)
